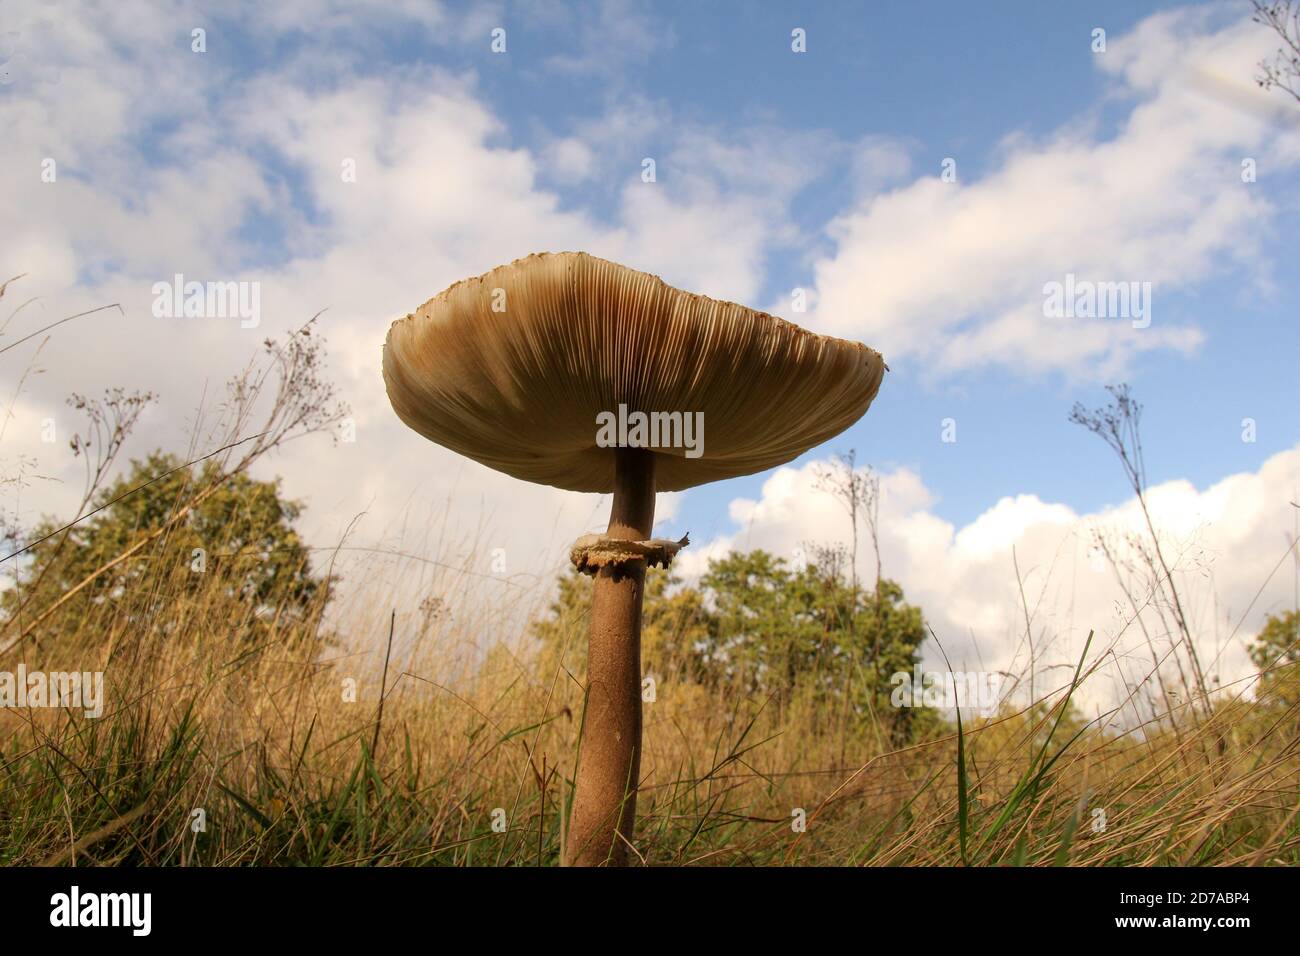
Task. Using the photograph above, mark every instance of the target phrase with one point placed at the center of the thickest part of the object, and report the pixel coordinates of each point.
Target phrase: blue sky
(775, 170)
(944, 80)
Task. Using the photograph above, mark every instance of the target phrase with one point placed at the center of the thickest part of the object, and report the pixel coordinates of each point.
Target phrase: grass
(241, 720)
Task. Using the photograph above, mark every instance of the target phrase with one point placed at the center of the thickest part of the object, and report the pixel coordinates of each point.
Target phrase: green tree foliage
(757, 625)
(1276, 652)
(674, 624)
(237, 530)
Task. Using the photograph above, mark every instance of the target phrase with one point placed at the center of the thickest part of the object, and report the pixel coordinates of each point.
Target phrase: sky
(922, 174)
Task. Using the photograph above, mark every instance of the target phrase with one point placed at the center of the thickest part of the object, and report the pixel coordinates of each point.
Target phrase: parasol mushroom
(523, 368)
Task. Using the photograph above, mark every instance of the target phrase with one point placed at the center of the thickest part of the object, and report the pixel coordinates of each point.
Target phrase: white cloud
(151, 185)
(569, 160)
(878, 162)
(607, 36)
(951, 275)
(1224, 543)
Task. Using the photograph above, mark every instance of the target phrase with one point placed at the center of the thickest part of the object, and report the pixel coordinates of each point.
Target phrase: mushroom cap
(519, 387)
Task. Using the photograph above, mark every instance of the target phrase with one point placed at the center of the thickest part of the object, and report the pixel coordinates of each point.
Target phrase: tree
(70, 569)
(757, 625)
(673, 625)
(239, 538)
(1276, 652)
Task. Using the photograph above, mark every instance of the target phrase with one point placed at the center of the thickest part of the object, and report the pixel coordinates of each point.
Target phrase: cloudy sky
(921, 174)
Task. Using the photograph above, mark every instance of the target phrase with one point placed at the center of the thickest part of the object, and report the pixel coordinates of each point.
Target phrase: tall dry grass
(251, 720)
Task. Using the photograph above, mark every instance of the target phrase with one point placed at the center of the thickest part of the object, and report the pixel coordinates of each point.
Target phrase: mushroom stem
(609, 757)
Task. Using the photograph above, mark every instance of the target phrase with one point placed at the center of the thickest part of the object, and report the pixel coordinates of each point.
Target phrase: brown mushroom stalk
(514, 368)
(609, 758)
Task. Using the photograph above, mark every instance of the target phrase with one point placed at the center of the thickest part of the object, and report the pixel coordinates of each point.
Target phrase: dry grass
(215, 707)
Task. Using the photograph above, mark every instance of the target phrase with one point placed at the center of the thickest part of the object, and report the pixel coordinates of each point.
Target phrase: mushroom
(559, 369)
